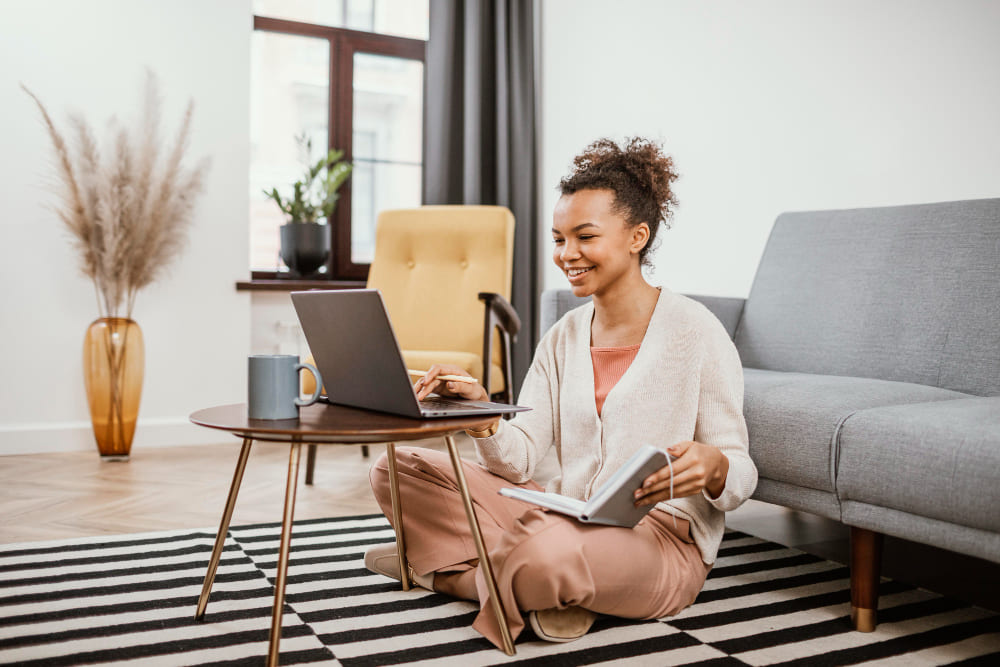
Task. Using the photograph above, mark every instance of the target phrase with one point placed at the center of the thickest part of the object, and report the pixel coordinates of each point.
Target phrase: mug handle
(319, 385)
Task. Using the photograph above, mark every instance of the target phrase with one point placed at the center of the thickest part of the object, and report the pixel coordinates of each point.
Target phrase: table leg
(397, 515)
(281, 576)
(310, 463)
(484, 557)
(220, 538)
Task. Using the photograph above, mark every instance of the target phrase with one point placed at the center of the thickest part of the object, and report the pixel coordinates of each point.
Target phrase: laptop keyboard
(439, 403)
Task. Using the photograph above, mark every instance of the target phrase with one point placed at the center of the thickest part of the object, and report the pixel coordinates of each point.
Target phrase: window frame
(344, 43)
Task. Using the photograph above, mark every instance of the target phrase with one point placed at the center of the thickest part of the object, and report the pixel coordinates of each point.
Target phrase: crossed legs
(541, 559)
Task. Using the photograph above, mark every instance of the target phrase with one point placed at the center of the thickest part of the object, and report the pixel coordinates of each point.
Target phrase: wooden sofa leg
(866, 568)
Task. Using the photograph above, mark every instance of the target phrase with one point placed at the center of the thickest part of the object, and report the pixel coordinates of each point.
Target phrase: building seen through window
(347, 75)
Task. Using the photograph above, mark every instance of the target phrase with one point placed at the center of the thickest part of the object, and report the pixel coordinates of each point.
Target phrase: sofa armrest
(554, 304)
(557, 302)
(729, 310)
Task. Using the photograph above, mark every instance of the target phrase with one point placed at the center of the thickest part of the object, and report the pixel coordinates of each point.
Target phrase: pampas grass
(129, 209)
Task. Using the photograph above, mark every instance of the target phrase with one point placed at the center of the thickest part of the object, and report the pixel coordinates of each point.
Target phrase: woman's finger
(433, 382)
(680, 449)
(659, 497)
(685, 481)
(425, 389)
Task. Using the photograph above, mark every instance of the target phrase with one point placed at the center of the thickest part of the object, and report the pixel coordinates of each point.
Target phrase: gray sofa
(871, 350)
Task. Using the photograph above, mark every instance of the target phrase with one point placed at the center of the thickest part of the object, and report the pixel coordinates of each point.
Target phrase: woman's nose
(570, 251)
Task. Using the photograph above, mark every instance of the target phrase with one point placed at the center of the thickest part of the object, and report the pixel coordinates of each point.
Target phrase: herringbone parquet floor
(74, 494)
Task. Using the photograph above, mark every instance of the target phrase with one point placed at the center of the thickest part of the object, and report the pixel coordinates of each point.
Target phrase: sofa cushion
(792, 419)
(938, 460)
(904, 293)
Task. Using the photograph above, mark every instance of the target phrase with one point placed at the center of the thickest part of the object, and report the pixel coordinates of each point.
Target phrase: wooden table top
(322, 423)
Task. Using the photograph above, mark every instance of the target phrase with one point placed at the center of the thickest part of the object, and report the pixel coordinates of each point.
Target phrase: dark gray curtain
(480, 129)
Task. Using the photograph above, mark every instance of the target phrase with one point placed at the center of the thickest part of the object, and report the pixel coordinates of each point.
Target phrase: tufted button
(411, 264)
(464, 263)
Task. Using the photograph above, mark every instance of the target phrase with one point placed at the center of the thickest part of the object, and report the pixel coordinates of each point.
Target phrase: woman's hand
(697, 467)
(431, 383)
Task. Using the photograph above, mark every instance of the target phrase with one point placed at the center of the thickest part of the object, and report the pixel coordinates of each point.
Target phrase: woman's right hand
(431, 383)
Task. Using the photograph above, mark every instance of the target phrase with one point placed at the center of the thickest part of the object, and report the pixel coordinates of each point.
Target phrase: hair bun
(638, 172)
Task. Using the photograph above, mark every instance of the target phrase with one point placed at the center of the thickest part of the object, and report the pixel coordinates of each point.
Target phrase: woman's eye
(558, 241)
(586, 237)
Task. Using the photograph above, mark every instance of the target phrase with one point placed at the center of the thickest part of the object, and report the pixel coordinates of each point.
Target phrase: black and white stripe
(132, 598)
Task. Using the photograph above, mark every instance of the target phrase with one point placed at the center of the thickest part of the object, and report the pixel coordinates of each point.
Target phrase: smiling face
(595, 247)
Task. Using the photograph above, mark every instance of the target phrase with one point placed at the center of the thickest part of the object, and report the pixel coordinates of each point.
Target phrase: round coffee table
(322, 424)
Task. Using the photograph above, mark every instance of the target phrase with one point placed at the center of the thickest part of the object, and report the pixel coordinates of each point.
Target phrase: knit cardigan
(686, 383)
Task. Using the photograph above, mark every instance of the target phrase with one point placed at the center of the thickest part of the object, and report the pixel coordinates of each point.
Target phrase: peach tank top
(610, 364)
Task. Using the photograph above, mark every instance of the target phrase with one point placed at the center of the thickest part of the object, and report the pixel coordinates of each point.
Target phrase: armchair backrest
(430, 265)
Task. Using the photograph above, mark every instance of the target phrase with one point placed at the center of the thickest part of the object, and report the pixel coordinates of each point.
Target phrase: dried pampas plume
(129, 213)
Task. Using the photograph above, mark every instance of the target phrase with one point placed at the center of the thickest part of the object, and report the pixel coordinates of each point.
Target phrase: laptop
(356, 352)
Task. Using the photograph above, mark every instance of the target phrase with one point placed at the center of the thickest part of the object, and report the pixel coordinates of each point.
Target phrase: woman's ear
(640, 237)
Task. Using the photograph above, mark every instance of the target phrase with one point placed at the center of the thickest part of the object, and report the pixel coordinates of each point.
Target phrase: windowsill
(292, 285)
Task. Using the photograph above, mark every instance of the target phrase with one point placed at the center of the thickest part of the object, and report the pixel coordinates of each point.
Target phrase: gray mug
(273, 386)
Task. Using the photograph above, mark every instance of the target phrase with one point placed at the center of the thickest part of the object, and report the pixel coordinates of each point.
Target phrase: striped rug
(131, 598)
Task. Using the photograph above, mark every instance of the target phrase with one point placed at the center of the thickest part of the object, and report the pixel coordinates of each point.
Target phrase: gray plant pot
(304, 246)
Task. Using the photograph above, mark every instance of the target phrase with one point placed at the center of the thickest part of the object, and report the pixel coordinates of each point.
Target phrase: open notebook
(612, 503)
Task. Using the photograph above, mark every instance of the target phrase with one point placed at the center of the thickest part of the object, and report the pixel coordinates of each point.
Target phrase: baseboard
(41, 438)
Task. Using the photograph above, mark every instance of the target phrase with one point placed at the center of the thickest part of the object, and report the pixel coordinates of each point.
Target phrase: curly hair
(637, 172)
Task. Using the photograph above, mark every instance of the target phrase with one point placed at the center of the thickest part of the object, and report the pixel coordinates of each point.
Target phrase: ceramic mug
(273, 386)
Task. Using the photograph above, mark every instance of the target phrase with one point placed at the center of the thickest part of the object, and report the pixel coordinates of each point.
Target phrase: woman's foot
(384, 559)
(561, 625)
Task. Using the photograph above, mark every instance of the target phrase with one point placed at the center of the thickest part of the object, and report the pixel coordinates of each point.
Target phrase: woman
(638, 365)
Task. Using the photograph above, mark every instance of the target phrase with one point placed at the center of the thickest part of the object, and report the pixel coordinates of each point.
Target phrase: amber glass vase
(113, 360)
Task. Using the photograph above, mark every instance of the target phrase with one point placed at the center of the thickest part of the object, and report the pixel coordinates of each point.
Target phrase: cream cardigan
(686, 383)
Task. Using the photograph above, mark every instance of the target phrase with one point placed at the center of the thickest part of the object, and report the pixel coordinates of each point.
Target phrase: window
(347, 75)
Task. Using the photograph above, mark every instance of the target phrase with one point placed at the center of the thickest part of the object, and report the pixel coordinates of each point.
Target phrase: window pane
(377, 186)
(387, 143)
(405, 18)
(289, 97)
(388, 103)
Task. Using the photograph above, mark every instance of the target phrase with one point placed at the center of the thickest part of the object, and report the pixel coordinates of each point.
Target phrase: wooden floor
(75, 494)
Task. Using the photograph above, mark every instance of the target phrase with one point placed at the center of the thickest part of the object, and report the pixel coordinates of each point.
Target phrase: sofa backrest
(905, 293)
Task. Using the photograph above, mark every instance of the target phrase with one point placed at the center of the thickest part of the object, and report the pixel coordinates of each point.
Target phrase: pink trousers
(541, 559)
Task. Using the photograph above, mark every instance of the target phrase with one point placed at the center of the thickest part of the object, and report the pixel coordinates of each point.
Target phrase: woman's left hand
(697, 467)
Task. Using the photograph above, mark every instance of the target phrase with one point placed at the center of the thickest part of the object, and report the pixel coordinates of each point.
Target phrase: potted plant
(305, 240)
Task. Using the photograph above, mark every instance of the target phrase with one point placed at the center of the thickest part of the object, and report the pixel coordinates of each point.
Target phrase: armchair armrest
(499, 315)
(507, 317)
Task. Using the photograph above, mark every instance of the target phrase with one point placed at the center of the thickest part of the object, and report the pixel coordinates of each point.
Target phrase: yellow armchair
(445, 275)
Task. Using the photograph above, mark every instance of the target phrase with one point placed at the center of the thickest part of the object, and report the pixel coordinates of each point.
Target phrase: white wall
(274, 326)
(766, 106)
(774, 105)
(90, 56)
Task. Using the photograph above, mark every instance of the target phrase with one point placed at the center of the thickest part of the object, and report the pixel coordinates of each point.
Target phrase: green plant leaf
(316, 194)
